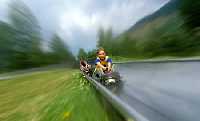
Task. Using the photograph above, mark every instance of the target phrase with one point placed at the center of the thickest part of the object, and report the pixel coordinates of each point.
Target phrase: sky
(78, 21)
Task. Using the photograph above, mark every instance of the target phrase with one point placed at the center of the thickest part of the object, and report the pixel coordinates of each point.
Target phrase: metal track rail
(129, 113)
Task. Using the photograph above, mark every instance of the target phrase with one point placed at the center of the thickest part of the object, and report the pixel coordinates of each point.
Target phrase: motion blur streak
(21, 43)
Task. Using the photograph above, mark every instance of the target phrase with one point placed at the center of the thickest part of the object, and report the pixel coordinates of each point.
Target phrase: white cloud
(3, 9)
(77, 21)
(2, 2)
(80, 22)
(77, 18)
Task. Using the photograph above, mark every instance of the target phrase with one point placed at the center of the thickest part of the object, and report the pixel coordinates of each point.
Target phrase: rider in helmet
(103, 62)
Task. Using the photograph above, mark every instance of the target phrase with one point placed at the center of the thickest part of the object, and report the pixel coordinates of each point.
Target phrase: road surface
(165, 91)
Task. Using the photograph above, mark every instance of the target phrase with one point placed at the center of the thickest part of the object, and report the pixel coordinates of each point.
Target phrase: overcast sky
(77, 21)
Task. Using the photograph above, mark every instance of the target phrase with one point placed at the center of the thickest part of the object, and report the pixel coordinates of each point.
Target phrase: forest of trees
(21, 42)
(179, 36)
(22, 45)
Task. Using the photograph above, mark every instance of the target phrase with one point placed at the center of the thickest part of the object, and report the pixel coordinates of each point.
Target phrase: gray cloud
(77, 21)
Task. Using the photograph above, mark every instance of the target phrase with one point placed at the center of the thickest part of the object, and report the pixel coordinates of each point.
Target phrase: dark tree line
(178, 36)
(190, 9)
(21, 42)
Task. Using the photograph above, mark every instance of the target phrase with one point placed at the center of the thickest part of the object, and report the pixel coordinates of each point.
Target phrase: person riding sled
(103, 62)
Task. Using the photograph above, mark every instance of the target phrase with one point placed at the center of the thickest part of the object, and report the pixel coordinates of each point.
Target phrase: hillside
(167, 9)
(171, 31)
(166, 20)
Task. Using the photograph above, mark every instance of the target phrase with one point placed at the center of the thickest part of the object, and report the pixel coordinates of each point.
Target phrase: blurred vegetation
(172, 31)
(82, 54)
(60, 51)
(190, 9)
(21, 42)
(89, 56)
(53, 95)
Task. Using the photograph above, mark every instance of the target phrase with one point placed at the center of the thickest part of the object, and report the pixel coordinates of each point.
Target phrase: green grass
(54, 95)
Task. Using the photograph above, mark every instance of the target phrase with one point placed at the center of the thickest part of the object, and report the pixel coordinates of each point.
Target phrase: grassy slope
(166, 21)
(163, 24)
(55, 95)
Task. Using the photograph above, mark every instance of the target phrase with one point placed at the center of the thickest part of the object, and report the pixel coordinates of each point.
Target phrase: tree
(127, 46)
(101, 38)
(27, 38)
(105, 40)
(82, 54)
(6, 45)
(190, 9)
(60, 51)
(91, 55)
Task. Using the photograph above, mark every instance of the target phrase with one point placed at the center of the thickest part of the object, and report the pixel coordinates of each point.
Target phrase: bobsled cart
(106, 77)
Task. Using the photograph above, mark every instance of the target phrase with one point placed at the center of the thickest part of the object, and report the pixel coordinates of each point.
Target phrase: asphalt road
(165, 91)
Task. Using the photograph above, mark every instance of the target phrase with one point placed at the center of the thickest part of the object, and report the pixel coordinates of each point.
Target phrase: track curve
(165, 91)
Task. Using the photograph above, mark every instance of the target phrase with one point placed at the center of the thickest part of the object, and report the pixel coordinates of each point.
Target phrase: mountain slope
(166, 19)
(167, 9)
